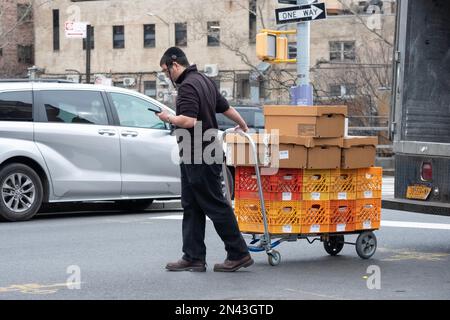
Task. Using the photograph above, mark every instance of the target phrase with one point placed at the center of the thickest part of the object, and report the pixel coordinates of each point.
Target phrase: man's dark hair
(174, 54)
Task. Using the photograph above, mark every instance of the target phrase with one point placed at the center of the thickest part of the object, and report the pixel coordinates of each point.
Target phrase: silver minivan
(67, 142)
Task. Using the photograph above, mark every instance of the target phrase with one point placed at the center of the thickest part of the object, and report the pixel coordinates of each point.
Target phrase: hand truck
(366, 242)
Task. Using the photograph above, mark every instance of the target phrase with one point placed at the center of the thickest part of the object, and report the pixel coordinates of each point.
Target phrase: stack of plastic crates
(343, 184)
(282, 199)
(316, 201)
(368, 198)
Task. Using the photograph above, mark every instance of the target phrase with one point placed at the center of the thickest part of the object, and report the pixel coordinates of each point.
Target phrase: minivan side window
(133, 112)
(74, 106)
(16, 106)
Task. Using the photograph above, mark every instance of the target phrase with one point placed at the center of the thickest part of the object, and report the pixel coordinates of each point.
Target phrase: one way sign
(307, 12)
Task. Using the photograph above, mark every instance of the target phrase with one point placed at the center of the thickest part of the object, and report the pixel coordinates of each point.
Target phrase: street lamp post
(151, 14)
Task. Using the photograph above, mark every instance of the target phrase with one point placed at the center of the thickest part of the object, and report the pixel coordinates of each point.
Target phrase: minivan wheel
(134, 205)
(21, 192)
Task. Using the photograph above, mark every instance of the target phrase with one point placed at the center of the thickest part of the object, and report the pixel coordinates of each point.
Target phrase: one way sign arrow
(308, 12)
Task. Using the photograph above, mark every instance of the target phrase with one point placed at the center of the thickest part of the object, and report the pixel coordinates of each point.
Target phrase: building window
(92, 39)
(118, 84)
(216, 81)
(262, 90)
(252, 21)
(24, 12)
(150, 88)
(342, 90)
(213, 34)
(292, 50)
(118, 37)
(149, 36)
(342, 51)
(55, 30)
(25, 54)
(243, 86)
(335, 90)
(181, 34)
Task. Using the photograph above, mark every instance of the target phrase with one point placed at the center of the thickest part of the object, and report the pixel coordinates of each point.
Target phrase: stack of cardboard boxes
(336, 187)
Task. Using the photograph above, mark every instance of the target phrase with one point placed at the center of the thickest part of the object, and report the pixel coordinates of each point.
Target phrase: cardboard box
(359, 152)
(324, 153)
(240, 153)
(291, 153)
(313, 121)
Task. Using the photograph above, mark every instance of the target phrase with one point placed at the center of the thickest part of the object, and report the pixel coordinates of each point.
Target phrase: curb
(433, 208)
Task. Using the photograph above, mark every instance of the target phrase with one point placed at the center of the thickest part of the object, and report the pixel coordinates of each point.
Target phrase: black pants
(202, 196)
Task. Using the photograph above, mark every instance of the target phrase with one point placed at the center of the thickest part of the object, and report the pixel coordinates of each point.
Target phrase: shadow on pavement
(85, 209)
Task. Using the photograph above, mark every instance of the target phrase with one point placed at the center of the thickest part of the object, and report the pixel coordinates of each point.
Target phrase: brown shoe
(233, 265)
(184, 265)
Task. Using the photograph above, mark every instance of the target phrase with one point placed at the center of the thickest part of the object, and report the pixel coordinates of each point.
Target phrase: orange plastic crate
(315, 217)
(284, 185)
(368, 214)
(342, 215)
(369, 182)
(287, 180)
(282, 217)
(245, 180)
(316, 185)
(343, 184)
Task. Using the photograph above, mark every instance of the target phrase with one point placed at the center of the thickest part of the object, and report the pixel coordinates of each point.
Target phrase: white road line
(417, 225)
(384, 223)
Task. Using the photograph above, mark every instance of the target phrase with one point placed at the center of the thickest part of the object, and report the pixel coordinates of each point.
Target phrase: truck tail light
(426, 172)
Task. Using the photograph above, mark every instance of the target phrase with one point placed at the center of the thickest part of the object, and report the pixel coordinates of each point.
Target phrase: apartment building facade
(129, 38)
(16, 38)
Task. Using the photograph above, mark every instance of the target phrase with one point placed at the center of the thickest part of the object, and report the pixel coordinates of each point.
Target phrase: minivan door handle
(108, 132)
(129, 133)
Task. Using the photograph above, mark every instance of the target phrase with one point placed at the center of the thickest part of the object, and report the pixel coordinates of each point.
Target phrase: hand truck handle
(258, 175)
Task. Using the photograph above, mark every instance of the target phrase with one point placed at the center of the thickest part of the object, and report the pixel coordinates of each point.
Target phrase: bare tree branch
(361, 20)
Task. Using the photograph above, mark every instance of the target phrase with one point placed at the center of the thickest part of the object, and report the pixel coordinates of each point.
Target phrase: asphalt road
(122, 256)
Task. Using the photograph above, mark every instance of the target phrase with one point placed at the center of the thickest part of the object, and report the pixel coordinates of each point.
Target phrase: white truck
(420, 113)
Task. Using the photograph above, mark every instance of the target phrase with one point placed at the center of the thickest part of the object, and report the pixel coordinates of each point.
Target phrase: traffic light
(266, 44)
(282, 48)
(270, 46)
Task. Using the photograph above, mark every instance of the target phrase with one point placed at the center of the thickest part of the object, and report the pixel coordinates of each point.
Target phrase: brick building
(16, 38)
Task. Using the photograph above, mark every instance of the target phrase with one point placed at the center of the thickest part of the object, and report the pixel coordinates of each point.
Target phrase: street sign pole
(302, 14)
(88, 54)
(303, 91)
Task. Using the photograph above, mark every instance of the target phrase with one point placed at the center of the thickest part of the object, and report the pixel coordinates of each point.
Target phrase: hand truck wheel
(366, 244)
(334, 245)
(274, 257)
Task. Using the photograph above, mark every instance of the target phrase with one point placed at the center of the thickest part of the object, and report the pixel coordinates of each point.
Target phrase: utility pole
(302, 93)
(88, 53)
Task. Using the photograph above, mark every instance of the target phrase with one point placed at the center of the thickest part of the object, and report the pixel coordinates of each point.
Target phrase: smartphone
(153, 110)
